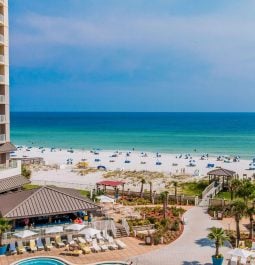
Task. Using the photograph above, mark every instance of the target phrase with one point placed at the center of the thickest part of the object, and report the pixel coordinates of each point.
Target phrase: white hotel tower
(9, 169)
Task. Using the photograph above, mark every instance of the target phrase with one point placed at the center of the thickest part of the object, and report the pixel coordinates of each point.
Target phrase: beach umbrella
(105, 199)
(242, 253)
(75, 227)
(89, 232)
(25, 233)
(53, 229)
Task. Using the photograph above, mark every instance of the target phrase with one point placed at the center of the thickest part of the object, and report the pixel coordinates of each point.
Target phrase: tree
(219, 236)
(250, 212)
(4, 226)
(142, 185)
(246, 190)
(151, 195)
(175, 184)
(238, 210)
(26, 172)
(164, 196)
(233, 186)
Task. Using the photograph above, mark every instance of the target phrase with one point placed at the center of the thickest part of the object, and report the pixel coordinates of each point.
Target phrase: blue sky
(134, 55)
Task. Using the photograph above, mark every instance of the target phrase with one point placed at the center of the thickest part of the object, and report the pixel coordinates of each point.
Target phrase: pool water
(41, 261)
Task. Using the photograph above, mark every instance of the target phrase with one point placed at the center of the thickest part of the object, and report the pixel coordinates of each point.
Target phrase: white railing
(2, 118)
(13, 168)
(2, 99)
(125, 225)
(2, 137)
(1, 59)
(2, 79)
(207, 189)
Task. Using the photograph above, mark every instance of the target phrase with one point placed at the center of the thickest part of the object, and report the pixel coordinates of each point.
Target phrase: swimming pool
(41, 261)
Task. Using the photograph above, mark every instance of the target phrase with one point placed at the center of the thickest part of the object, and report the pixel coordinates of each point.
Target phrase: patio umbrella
(53, 229)
(25, 233)
(240, 253)
(89, 232)
(75, 227)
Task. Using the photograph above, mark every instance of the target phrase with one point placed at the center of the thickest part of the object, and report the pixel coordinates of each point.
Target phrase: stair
(120, 231)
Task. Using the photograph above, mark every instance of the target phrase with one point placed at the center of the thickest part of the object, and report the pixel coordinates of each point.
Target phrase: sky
(133, 55)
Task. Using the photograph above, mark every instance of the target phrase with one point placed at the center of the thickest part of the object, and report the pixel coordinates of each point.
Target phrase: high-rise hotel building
(9, 169)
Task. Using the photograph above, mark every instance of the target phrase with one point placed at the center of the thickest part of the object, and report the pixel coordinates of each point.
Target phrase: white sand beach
(169, 164)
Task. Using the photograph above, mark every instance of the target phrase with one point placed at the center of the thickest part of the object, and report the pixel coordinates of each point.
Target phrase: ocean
(213, 133)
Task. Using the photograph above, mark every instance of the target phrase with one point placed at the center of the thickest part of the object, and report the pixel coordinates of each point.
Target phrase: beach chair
(112, 245)
(81, 240)
(12, 248)
(95, 247)
(88, 239)
(85, 249)
(120, 244)
(32, 245)
(39, 244)
(48, 244)
(70, 239)
(99, 237)
(233, 260)
(21, 249)
(243, 261)
(59, 242)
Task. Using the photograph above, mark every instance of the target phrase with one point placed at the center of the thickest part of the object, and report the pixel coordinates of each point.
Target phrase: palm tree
(175, 184)
(142, 184)
(250, 212)
(219, 236)
(233, 186)
(164, 196)
(246, 190)
(151, 195)
(4, 226)
(238, 210)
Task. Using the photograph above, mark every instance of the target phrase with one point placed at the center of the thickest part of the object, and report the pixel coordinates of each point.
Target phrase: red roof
(110, 183)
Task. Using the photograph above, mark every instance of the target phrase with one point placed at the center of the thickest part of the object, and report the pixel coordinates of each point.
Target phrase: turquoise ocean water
(214, 133)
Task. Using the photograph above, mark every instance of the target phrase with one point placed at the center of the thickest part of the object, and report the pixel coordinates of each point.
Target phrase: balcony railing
(1, 59)
(2, 79)
(2, 99)
(1, 19)
(2, 118)
(2, 137)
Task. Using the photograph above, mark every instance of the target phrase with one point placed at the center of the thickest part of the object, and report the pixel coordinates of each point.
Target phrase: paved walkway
(192, 248)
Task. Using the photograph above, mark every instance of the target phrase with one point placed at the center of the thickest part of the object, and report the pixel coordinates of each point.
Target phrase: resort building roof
(7, 147)
(221, 172)
(45, 201)
(110, 183)
(12, 183)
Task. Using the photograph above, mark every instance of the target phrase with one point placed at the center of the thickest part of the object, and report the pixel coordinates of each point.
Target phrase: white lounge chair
(243, 261)
(112, 245)
(81, 240)
(95, 247)
(233, 261)
(120, 244)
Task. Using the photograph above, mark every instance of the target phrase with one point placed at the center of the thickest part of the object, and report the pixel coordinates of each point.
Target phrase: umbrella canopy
(53, 229)
(105, 199)
(25, 233)
(75, 227)
(89, 232)
(240, 253)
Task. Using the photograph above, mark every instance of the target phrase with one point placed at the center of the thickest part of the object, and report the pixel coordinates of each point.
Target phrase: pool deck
(134, 248)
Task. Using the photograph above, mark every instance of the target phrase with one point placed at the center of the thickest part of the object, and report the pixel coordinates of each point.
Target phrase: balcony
(1, 39)
(2, 59)
(2, 99)
(2, 79)
(11, 170)
(2, 119)
(1, 19)
(2, 138)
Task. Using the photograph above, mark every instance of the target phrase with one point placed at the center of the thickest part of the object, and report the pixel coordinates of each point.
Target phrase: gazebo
(113, 184)
(221, 174)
